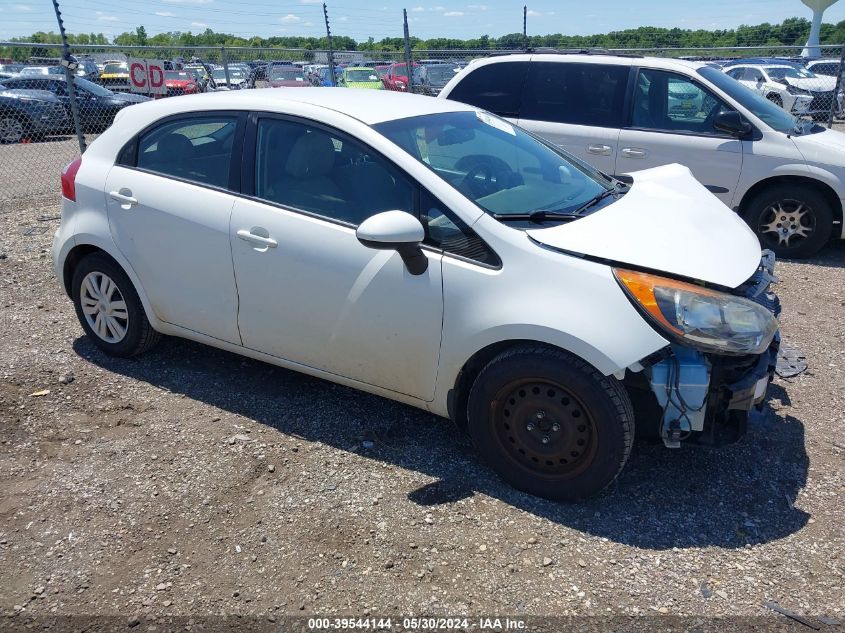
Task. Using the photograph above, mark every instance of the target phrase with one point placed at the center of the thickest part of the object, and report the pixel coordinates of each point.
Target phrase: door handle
(123, 198)
(249, 236)
(601, 150)
(631, 152)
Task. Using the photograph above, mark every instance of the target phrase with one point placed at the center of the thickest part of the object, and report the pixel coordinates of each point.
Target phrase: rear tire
(794, 221)
(109, 309)
(549, 423)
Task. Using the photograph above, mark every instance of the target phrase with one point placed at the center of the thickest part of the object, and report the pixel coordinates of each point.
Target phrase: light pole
(811, 48)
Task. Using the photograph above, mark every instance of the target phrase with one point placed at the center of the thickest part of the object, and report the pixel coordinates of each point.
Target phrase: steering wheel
(485, 175)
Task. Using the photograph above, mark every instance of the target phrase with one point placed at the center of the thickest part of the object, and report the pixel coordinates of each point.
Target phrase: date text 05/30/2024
(418, 624)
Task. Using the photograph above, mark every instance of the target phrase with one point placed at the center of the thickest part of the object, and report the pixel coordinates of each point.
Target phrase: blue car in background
(322, 77)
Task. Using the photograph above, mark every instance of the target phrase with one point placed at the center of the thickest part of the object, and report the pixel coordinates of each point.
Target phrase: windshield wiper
(541, 215)
(596, 199)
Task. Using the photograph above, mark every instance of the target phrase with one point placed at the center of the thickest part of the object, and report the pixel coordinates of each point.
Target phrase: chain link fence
(39, 132)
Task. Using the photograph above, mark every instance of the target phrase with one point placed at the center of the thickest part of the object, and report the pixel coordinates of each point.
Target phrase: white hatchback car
(432, 253)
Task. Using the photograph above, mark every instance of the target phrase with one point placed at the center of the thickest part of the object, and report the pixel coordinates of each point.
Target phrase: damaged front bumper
(704, 398)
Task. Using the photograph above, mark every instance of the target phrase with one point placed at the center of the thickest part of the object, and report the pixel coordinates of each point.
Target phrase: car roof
(368, 106)
(593, 58)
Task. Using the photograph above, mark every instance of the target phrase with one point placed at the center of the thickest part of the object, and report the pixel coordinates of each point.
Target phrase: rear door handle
(249, 236)
(124, 199)
(601, 150)
(631, 152)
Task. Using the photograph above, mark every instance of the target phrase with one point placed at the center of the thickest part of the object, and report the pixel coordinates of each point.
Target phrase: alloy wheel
(104, 307)
(11, 130)
(787, 222)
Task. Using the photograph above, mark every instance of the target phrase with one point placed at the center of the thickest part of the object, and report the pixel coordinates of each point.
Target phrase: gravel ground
(191, 481)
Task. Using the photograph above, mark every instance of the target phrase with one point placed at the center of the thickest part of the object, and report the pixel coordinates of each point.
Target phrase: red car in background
(180, 82)
(396, 76)
(286, 77)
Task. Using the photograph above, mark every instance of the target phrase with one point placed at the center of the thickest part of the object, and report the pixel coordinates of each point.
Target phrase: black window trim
(127, 157)
(630, 113)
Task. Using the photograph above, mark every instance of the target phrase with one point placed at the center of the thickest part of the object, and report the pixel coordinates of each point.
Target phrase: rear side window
(494, 87)
(196, 149)
(578, 94)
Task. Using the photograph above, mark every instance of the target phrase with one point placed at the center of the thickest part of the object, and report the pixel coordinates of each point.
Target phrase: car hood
(667, 222)
(41, 95)
(129, 97)
(820, 83)
(373, 85)
(288, 83)
(827, 146)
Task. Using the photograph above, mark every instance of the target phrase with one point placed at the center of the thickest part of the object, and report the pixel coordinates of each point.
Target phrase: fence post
(69, 78)
(408, 66)
(525, 26)
(330, 52)
(835, 101)
(225, 66)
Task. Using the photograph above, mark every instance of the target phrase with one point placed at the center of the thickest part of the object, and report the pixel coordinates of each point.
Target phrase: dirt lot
(191, 481)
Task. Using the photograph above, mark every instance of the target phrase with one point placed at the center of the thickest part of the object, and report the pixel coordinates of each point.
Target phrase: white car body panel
(716, 162)
(653, 226)
(177, 238)
(347, 309)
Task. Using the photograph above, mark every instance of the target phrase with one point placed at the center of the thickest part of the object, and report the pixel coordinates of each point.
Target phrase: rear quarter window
(493, 87)
(578, 94)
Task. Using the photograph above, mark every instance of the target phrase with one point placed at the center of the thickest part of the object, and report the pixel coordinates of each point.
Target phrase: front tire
(12, 129)
(549, 423)
(794, 221)
(109, 309)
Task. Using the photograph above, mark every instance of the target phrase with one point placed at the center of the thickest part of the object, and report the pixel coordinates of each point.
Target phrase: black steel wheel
(549, 423)
(544, 427)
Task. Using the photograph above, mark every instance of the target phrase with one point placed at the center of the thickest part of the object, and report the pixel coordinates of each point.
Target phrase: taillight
(69, 178)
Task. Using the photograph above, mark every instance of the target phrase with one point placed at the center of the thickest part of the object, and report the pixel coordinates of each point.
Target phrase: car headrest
(311, 156)
(175, 146)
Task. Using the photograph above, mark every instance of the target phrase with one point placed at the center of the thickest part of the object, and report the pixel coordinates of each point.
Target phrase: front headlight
(703, 318)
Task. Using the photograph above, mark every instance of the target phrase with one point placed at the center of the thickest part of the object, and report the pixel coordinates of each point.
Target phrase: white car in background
(769, 82)
(431, 253)
(784, 175)
(783, 84)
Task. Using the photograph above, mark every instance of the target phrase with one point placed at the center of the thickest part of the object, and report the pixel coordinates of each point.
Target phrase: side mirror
(396, 231)
(731, 122)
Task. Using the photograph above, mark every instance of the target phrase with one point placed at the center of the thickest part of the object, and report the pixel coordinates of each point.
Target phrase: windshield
(114, 69)
(280, 73)
(500, 167)
(91, 87)
(781, 72)
(361, 75)
(771, 114)
(174, 74)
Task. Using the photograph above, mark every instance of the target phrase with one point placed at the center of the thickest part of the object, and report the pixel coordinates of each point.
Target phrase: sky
(383, 18)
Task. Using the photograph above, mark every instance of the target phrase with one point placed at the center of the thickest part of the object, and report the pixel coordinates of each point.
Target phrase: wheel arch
(822, 187)
(87, 247)
(459, 393)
